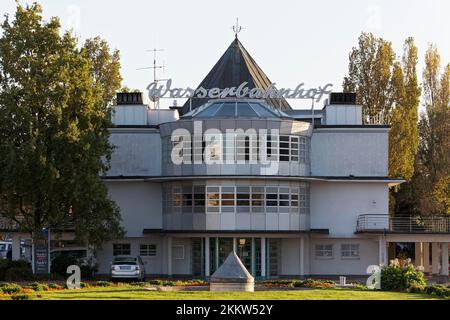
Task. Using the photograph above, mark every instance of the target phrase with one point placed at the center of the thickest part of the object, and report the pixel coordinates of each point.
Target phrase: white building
(323, 211)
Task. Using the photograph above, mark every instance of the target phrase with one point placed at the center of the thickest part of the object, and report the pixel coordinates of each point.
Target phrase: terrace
(376, 223)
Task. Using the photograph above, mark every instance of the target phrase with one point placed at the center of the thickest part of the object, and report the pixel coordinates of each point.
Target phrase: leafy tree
(403, 117)
(388, 90)
(54, 121)
(430, 185)
(370, 72)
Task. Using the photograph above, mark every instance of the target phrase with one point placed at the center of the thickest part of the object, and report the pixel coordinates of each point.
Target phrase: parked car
(127, 267)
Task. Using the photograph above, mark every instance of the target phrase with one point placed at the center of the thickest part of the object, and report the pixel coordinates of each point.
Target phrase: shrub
(36, 286)
(11, 288)
(61, 262)
(157, 282)
(84, 285)
(138, 284)
(17, 270)
(19, 274)
(400, 276)
(3, 267)
(416, 288)
(27, 290)
(19, 264)
(359, 286)
(54, 286)
(194, 282)
(103, 284)
(311, 283)
(278, 283)
(438, 290)
(21, 297)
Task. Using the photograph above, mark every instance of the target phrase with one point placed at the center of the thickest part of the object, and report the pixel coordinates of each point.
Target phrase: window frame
(323, 249)
(350, 250)
(115, 254)
(147, 255)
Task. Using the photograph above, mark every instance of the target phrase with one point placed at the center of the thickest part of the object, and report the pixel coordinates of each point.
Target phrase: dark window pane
(210, 111)
(244, 110)
(227, 110)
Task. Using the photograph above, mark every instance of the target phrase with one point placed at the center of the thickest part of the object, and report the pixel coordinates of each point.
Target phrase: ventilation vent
(129, 98)
(342, 98)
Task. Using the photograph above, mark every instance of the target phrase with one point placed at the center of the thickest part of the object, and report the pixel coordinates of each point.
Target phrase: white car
(127, 267)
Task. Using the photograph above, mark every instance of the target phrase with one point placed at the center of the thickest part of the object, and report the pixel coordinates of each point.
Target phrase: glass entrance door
(220, 248)
(244, 252)
(225, 247)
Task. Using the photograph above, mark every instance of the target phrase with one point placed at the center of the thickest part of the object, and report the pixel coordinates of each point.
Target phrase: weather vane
(237, 28)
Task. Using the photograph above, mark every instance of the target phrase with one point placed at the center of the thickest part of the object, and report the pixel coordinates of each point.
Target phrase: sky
(292, 41)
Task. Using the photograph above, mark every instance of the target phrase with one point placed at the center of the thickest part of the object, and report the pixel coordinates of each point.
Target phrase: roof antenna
(237, 28)
(154, 67)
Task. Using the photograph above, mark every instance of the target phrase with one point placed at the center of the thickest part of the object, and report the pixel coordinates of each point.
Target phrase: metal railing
(403, 224)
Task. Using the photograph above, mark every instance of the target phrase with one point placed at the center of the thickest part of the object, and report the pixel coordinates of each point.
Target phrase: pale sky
(292, 41)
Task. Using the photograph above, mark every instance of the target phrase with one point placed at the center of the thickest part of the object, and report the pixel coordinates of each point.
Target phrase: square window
(121, 249)
(147, 250)
(350, 251)
(323, 251)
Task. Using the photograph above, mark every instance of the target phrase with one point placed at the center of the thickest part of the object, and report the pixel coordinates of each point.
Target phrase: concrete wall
(349, 151)
(336, 205)
(290, 256)
(343, 114)
(153, 265)
(140, 204)
(137, 153)
(368, 250)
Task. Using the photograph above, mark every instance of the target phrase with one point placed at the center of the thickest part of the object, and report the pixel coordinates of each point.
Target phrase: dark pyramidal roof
(233, 68)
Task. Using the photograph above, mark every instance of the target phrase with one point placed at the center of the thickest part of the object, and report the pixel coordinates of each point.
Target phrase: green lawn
(130, 292)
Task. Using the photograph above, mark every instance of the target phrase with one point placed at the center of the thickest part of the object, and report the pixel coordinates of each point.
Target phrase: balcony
(409, 224)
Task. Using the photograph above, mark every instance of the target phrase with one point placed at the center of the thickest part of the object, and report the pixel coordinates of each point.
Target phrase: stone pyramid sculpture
(232, 276)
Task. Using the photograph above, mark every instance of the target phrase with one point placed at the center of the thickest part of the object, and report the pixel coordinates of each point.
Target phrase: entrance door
(244, 252)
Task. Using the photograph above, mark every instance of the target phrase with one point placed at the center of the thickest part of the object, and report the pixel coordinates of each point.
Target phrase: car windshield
(125, 261)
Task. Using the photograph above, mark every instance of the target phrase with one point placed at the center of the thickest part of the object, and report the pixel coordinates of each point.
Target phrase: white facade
(309, 229)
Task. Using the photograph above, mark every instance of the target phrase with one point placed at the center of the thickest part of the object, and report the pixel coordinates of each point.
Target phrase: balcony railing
(405, 224)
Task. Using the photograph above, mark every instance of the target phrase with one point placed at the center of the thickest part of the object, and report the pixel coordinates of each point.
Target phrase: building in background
(323, 211)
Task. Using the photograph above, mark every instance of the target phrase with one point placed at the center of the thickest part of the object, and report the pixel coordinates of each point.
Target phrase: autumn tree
(431, 184)
(389, 92)
(370, 72)
(403, 116)
(54, 120)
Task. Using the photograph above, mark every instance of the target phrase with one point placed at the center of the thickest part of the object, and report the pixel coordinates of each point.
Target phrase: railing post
(410, 223)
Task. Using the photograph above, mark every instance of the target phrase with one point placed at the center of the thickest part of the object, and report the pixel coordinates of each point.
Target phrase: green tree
(54, 123)
(370, 73)
(403, 117)
(388, 90)
(433, 162)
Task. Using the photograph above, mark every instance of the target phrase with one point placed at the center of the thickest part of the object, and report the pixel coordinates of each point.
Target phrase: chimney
(341, 109)
(129, 98)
